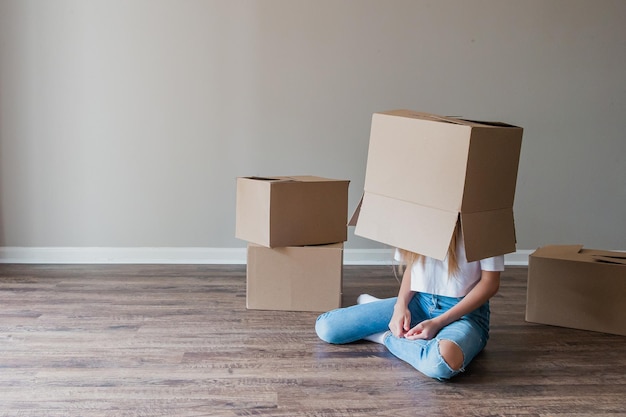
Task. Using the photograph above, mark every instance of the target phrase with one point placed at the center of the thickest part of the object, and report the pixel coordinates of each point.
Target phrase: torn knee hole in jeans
(451, 354)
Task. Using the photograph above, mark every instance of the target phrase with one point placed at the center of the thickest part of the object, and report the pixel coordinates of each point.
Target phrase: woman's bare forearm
(486, 288)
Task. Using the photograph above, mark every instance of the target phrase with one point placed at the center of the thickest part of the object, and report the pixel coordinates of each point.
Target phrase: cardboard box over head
(291, 211)
(296, 278)
(425, 172)
(579, 288)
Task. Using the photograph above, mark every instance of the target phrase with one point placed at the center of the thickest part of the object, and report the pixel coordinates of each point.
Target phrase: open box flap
(578, 254)
(291, 178)
(446, 119)
(355, 215)
(488, 233)
(558, 251)
(313, 178)
(428, 232)
(269, 179)
(613, 259)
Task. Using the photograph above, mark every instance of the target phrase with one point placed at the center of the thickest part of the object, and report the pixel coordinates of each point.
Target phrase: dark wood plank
(177, 340)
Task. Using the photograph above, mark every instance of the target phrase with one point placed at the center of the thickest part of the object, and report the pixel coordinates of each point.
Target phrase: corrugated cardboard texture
(569, 287)
(291, 211)
(307, 278)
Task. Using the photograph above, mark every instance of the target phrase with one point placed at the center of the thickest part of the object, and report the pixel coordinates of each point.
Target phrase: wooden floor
(147, 340)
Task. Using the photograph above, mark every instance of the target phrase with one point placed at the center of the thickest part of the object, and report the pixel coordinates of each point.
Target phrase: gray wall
(124, 123)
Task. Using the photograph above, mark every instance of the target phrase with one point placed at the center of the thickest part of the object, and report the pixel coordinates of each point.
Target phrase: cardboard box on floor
(291, 211)
(579, 288)
(425, 171)
(301, 278)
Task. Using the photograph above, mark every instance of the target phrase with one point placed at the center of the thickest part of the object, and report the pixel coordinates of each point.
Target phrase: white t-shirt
(431, 275)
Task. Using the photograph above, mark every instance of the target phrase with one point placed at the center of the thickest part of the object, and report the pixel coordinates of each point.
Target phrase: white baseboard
(222, 256)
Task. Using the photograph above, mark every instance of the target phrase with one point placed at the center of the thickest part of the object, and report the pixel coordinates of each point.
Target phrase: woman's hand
(400, 322)
(425, 330)
(400, 326)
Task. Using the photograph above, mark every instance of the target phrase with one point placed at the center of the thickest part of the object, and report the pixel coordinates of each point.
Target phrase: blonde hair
(408, 258)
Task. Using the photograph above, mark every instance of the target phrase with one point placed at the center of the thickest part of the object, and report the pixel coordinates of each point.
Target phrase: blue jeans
(470, 332)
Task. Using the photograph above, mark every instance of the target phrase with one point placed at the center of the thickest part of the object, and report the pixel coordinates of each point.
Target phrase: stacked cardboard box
(295, 228)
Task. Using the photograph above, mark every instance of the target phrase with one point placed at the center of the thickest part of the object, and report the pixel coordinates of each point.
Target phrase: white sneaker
(366, 298)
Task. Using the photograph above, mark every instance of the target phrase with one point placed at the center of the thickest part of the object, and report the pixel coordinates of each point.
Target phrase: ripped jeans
(470, 332)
